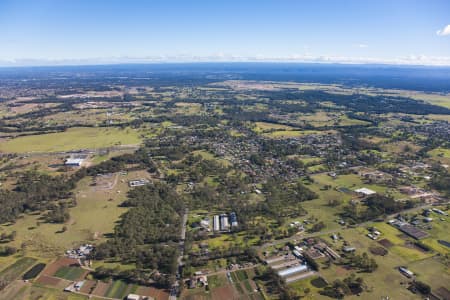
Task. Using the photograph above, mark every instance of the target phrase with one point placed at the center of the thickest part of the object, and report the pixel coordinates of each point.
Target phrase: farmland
(219, 186)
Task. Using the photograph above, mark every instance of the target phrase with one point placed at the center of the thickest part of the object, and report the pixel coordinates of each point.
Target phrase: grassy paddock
(72, 139)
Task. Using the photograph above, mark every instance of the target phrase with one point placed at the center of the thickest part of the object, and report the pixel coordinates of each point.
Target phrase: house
(365, 192)
(74, 162)
(348, 249)
(138, 182)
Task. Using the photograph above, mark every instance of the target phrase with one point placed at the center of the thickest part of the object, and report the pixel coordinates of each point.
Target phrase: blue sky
(390, 31)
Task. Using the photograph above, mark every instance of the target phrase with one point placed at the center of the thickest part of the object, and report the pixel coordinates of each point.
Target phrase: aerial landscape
(216, 177)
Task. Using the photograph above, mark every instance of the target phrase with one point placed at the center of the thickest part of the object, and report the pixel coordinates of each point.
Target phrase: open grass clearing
(73, 139)
(265, 127)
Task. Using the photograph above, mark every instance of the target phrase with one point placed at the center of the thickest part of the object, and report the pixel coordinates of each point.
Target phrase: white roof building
(133, 297)
(293, 270)
(74, 161)
(365, 191)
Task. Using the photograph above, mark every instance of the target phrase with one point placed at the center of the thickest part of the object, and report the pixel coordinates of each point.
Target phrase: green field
(72, 139)
(291, 133)
(14, 271)
(264, 127)
(69, 273)
(117, 290)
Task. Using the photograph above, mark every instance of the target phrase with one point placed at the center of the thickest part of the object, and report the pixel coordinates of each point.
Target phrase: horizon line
(411, 60)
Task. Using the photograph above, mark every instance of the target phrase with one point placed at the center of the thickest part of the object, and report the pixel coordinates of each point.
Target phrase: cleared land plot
(101, 289)
(52, 281)
(14, 271)
(157, 294)
(88, 286)
(72, 139)
(225, 292)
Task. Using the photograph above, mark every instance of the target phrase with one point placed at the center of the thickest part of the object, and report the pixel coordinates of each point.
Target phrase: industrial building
(216, 223)
(233, 219)
(224, 222)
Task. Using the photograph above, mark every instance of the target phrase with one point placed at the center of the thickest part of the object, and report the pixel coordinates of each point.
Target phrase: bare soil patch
(88, 286)
(378, 251)
(226, 292)
(386, 243)
(443, 292)
(158, 294)
(341, 271)
(53, 281)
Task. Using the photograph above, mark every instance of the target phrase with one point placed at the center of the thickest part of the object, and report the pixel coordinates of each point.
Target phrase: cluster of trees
(283, 199)
(40, 192)
(137, 276)
(440, 181)
(362, 262)
(7, 237)
(351, 285)
(147, 233)
(376, 205)
(33, 192)
(58, 214)
(7, 250)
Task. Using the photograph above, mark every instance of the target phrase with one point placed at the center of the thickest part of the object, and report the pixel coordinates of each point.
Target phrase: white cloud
(224, 57)
(444, 31)
(362, 46)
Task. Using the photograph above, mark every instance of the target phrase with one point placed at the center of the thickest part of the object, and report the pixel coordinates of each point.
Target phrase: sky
(46, 32)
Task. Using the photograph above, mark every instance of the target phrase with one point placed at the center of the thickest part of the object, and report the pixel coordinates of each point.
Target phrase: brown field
(87, 286)
(52, 281)
(51, 269)
(152, 292)
(100, 289)
(386, 243)
(378, 251)
(226, 292)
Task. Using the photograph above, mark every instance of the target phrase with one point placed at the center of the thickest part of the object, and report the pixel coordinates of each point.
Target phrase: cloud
(224, 57)
(361, 46)
(444, 31)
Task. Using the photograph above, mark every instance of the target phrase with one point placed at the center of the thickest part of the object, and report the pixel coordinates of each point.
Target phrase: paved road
(175, 287)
